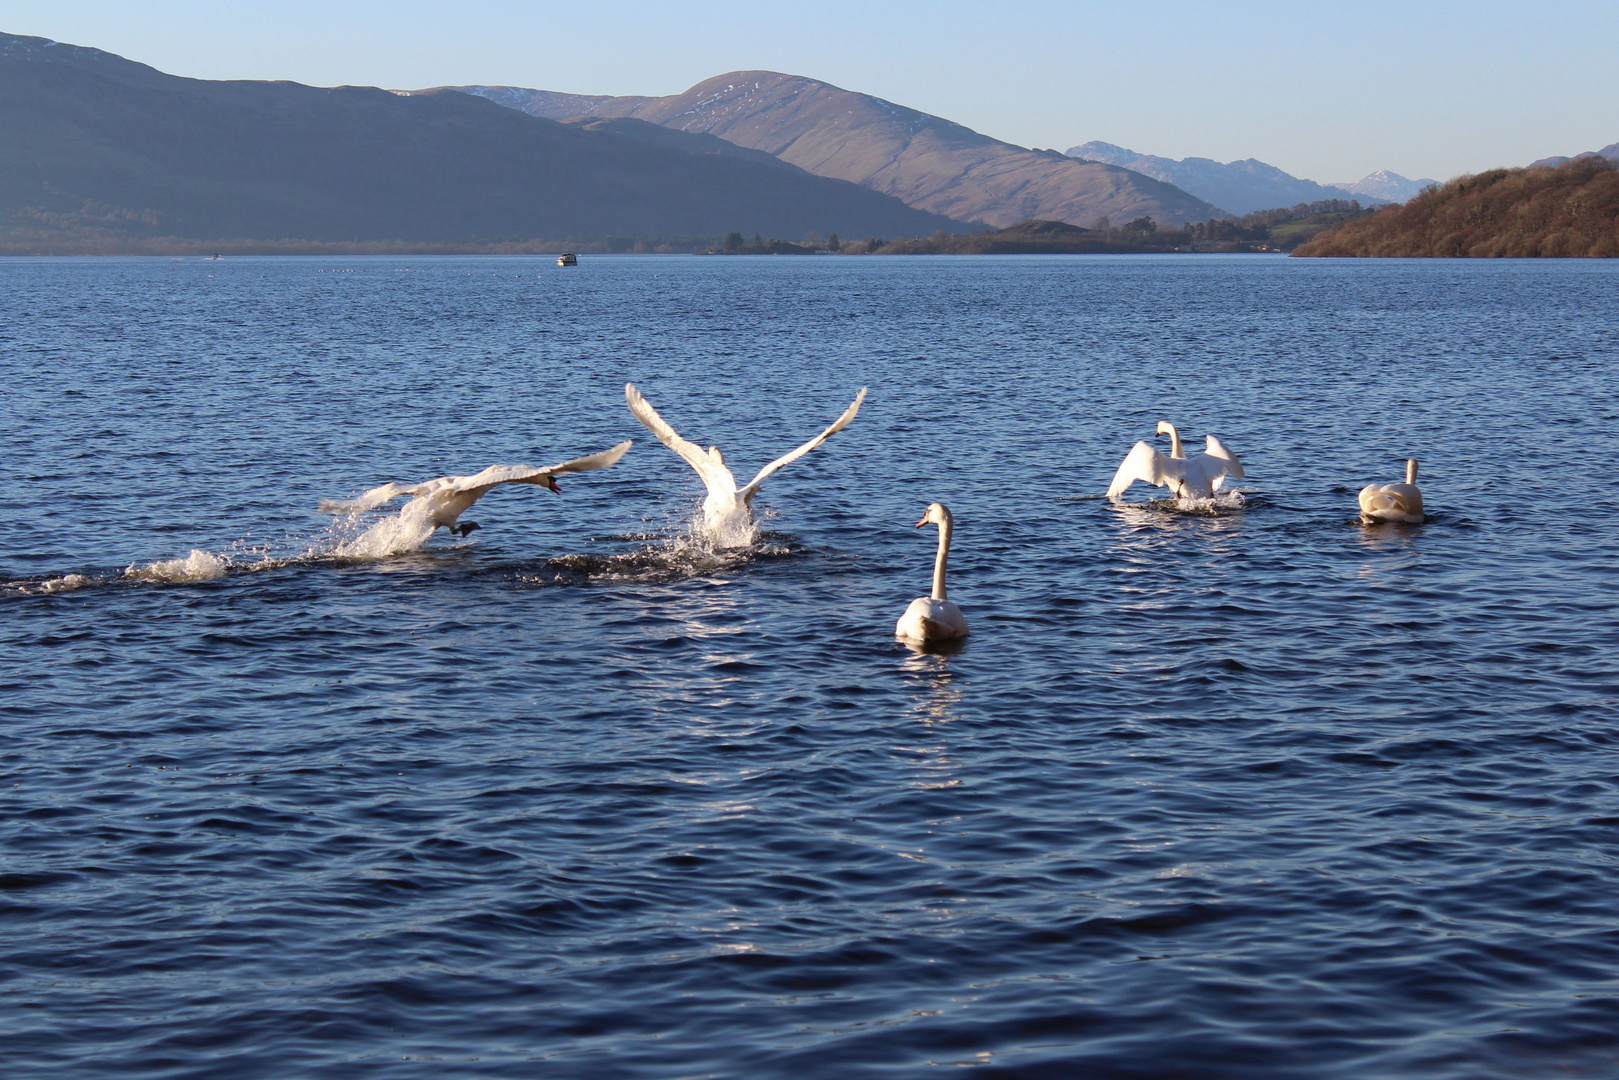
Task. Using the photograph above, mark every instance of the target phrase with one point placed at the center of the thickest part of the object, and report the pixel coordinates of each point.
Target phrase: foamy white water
(198, 566)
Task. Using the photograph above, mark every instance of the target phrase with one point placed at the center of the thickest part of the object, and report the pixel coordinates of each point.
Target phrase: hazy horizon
(1329, 97)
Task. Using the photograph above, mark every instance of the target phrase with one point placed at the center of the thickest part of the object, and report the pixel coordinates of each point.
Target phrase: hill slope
(93, 145)
(1241, 187)
(1571, 210)
(930, 163)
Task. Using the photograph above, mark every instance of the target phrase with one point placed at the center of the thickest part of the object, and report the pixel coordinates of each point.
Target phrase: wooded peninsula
(1568, 211)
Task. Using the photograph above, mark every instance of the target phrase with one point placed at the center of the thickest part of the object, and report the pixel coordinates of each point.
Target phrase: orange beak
(550, 482)
(921, 523)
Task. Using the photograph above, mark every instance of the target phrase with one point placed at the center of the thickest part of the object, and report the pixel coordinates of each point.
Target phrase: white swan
(1187, 478)
(438, 503)
(728, 510)
(934, 618)
(1393, 502)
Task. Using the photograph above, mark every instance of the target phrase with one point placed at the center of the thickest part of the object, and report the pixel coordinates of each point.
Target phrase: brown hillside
(928, 162)
(1566, 212)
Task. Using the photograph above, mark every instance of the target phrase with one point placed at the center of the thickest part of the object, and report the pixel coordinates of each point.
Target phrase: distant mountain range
(928, 162)
(99, 153)
(1243, 187)
(94, 148)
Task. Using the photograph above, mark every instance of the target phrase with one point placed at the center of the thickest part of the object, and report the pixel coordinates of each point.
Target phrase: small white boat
(567, 258)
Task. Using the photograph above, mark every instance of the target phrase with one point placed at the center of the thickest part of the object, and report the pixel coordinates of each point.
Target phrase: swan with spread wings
(728, 509)
(1188, 478)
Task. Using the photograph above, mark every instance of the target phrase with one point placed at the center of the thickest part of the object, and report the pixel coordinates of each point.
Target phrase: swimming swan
(934, 618)
(1188, 478)
(727, 511)
(440, 502)
(1393, 502)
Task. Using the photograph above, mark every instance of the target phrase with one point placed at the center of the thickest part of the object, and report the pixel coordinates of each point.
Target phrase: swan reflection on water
(936, 697)
(935, 689)
(1155, 529)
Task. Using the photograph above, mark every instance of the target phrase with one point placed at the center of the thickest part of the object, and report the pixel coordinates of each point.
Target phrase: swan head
(936, 515)
(1175, 449)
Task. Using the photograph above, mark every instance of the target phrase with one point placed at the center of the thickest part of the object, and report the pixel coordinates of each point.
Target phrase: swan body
(1187, 478)
(1393, 502)
(934, 618)
(728, 509)
(438, 503)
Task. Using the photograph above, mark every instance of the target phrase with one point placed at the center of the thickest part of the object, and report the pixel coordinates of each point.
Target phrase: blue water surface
(1249, 792)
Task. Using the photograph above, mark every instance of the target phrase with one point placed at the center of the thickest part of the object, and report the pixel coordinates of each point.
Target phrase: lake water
(1252, 792)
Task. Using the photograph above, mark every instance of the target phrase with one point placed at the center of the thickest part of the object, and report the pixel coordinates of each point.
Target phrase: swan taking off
(728, 510)
(1393, 502)
(934, 618)
(1188, 478)
(440, 502)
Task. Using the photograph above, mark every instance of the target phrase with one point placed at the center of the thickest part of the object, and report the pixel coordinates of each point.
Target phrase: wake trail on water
(361, 538)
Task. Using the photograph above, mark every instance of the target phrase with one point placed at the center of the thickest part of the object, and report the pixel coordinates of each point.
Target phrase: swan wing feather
(786, 459)
(477, 482)
(713, 473)
(1147, 463)
(528, 474)
(1214, 448)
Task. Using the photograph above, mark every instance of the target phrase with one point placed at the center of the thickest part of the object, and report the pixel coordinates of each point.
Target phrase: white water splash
(396, 534)
(198, 566)
(65, 583)
(1219, 502)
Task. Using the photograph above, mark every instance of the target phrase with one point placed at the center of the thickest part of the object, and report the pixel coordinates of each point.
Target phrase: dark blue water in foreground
(1257, 793)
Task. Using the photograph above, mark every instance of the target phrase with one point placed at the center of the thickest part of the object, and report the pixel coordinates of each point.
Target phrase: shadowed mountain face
(930, 163)
(91, 141)
(1241, 187)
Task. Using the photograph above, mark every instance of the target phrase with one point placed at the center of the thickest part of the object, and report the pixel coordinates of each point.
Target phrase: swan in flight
(934, 618)
(438, 503)
(1393, 502)
(728, 510)
(1188, 478)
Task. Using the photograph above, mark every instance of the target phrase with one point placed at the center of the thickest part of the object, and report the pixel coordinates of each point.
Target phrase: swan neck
(1175, 449)
(1411, 471)
(945, 528)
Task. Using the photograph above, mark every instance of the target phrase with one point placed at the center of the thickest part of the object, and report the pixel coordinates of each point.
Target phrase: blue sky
(1328, 92)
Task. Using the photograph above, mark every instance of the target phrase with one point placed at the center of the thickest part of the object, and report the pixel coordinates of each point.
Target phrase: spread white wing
(1220, 462)
(477, 483)
(786, 459)
(527, 474)
(1145, 462)
(708, 464)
